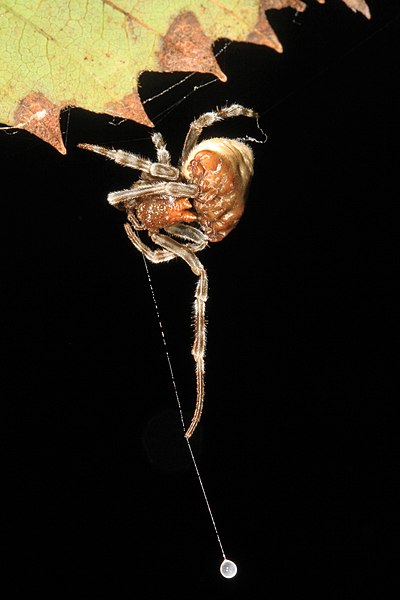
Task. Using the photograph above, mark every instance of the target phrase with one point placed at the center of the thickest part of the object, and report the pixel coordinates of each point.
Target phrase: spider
(198, 202)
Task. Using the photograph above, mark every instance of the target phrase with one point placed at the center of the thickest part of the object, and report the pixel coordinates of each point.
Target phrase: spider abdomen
(222, 168)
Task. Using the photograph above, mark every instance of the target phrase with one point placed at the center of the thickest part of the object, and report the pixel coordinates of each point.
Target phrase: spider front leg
(200, 299)
(160, 170)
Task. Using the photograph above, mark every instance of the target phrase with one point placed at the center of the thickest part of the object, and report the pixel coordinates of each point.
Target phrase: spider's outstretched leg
(209, 118)
(162, 169)
(200, 299)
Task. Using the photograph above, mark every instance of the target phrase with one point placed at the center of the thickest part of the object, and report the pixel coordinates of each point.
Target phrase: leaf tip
(359, 6)
(129, 107)
(38, 115)
(263, 34)
(185, 47)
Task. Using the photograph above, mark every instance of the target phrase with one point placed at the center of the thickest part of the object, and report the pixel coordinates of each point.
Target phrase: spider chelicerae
(199, 201)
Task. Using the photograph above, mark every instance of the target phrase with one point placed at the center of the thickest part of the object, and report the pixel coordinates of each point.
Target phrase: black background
(296, 450)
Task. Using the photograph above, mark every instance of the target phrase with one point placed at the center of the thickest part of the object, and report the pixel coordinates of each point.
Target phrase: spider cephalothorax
(201, 201)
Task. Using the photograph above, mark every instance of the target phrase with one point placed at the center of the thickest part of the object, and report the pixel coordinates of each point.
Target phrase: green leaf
(90, 53)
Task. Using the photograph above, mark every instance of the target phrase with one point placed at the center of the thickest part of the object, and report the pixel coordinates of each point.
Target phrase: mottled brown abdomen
(222, 168)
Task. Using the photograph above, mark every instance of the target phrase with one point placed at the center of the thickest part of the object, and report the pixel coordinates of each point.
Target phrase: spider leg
(160, 169)
(172, 249)
(135, 221)
(163, 156)
(198, 240)
(175, 189)
(200, 299)
(156, 256)
(209, 118)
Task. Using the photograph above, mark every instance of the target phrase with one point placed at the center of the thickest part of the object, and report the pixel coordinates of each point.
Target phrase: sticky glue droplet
(228, 569)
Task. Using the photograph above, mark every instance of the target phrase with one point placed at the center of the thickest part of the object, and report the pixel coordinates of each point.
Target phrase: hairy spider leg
(199, 346)
(140, 189)
(198, 240)
(163, 156)
(169, 250)
(200, 299)
(208, 119)
(156, 169)
(159, 255)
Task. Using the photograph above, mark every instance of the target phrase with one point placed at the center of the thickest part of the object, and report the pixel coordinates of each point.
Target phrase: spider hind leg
(208, 119)
(199, 306)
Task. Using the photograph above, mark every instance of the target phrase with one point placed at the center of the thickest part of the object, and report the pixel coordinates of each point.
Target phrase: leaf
(90, 53)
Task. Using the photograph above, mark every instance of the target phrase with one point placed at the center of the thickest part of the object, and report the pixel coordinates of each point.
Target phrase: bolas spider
(199, 201)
